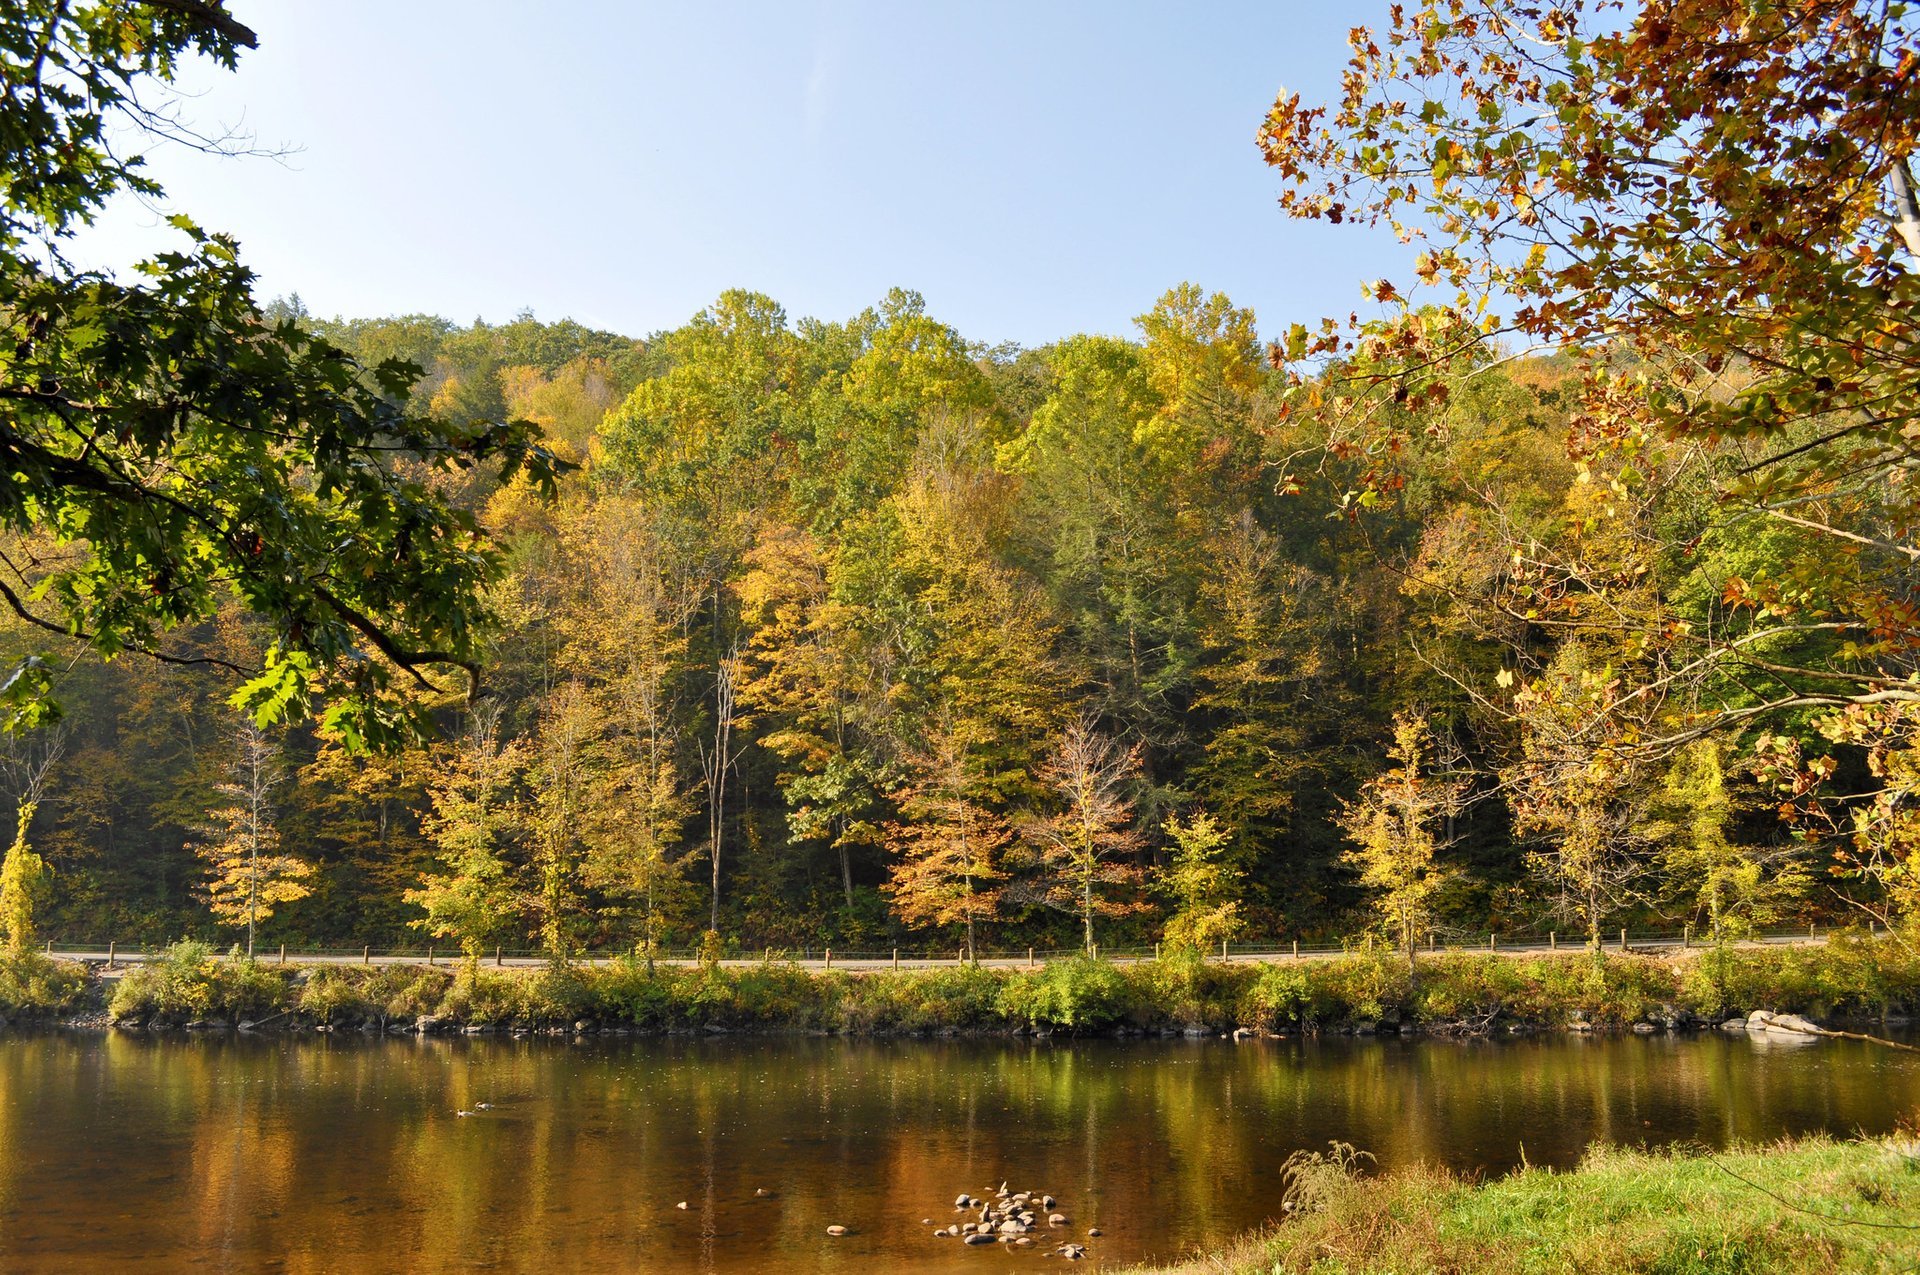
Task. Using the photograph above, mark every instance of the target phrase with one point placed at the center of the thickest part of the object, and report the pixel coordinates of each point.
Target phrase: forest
(1575, 594)
(859, 634)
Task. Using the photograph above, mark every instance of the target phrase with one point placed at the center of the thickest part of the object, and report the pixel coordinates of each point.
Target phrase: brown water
(334, 1154)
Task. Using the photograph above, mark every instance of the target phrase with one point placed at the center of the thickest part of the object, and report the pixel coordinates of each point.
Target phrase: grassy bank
(1812, 1205)
(1847, 978)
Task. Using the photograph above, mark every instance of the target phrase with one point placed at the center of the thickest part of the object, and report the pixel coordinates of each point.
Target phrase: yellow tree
(475, 820)
(247, 876)
(1084, 848)
(1726, 880)
(562, 781)
(1202, 882)
(1578, 788)
(1392, 827)
(948, 845)
(24, 874)
(808, 694)
(626, 631)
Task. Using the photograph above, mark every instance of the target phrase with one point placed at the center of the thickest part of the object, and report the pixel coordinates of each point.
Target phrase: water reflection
(317, 1154)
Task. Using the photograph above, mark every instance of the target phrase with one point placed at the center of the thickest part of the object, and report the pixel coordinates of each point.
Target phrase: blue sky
(1033, 169)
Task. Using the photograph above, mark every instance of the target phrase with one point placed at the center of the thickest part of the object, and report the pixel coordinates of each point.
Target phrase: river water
(309, 1153)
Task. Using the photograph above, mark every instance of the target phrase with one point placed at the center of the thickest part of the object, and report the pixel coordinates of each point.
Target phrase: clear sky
(1034, 169)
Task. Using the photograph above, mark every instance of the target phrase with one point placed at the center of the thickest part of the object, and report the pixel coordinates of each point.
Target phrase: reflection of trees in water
(338, 1151)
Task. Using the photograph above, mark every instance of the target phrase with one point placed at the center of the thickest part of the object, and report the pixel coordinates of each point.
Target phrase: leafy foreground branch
(1848, 980)
(1808, 1205)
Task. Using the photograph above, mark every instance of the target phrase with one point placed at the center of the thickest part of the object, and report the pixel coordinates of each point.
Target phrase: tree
(949, 845)
(246, 876)
(24, 874)
(626, 640)
(1708, 209)
(476, 818)
(1391, 824)
(187, 452)
(562, 779)
(1085, 844)
(1728, 881)
(804, 686)
(1579, 791)
(1202, 882)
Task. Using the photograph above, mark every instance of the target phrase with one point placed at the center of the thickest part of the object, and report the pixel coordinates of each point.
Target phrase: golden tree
(24, 874)
(1392, 825)
(1202, 882)
(477, 815)
(247, 876)
(949, 845)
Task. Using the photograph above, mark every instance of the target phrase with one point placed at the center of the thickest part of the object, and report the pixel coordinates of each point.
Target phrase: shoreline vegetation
(1810, 1204)
(1849, 978)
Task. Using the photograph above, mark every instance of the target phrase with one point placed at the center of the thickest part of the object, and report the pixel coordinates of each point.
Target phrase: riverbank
(1812, 1205)
(1848, 978)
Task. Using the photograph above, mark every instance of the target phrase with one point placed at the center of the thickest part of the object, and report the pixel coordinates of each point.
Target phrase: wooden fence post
(366, 955)
(1296, 949)
(1223, 950)
(829, 958)
(283, 953)
(1492, 941)
(1430, 944)
(1553, 941)
(1623, 938)
(109, 953)
(1686, 937)
(1029, 958)
(896, 958)
(429, 956)
(498, 956)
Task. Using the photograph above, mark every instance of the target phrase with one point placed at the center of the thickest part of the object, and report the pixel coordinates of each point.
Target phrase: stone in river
(1056, 1219)
(836, 1230)
(979, 1238)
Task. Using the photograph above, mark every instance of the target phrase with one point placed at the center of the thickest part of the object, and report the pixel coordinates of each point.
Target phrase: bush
(1277, 996)
(189, 982)
(1078, 993)
(33, 985)
(958, 997)
(481, 998)
(1184, 987)
(1361, 985)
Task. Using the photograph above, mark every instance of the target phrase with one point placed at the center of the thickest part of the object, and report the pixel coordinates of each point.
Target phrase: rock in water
(836, 1230)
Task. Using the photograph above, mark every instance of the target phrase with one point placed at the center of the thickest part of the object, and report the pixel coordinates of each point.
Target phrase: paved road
(117, 961)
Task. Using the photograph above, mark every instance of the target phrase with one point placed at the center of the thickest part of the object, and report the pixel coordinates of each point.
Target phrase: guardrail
(113, 953)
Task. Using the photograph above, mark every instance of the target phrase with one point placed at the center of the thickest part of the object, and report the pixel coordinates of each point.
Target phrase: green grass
(1813, 1205)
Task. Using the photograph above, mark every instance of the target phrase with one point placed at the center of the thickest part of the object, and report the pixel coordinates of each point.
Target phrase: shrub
(1184, 987)
(480, 997)
(329, 996)
(33, 985)
(958, 997)
(1077, 993)
(189, 982)
(1361, 985)
(1277, 996)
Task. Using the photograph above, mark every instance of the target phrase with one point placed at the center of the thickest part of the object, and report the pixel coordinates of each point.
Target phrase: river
(315, 1153)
